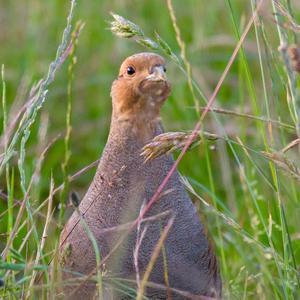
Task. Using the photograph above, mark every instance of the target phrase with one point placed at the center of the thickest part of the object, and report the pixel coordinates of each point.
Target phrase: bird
(122, 186)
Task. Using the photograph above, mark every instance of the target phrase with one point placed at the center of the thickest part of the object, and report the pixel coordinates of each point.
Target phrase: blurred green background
(242, 185)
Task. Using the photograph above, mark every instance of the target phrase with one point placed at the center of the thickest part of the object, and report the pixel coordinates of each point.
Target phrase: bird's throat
(138, 127)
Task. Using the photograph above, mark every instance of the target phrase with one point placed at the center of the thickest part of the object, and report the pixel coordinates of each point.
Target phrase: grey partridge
(122, 186)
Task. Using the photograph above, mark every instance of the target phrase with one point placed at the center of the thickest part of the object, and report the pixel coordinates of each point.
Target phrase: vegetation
(234, 66)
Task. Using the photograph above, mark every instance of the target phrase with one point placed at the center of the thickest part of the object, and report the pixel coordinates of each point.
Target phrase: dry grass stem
(294, 104)
(248, 116)
(128, 227)
(23, 203)
(99, 282)
(183, 53)
(291, 24)
(139, 239)
(162, 287)
(153, 258)
(283, 163)
(291, 145)
(44, 236)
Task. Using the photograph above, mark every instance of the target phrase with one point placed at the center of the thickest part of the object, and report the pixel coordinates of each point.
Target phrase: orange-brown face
(142, 85)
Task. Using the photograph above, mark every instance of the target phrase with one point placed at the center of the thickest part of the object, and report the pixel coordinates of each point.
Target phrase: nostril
(152, 70)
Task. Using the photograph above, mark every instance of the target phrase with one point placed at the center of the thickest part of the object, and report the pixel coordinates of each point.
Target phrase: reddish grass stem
(206, 110)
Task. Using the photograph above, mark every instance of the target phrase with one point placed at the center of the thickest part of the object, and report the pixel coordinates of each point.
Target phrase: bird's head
(141, 87)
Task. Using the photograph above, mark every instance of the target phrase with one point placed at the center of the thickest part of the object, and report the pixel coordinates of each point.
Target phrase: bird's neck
(136, 126)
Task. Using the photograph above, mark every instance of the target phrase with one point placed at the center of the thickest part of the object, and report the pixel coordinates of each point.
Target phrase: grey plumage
(120, 187)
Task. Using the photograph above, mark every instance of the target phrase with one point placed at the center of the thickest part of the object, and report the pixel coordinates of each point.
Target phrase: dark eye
(165, 69)
(130, 70)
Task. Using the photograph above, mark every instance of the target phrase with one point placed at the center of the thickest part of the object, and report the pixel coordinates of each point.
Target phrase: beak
(158, 74)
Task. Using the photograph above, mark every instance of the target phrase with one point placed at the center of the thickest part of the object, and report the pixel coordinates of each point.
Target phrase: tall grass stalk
(38, 98)
(58, 189)
(212, 187)
(183, 54)
(65, 170)
(9, 181)
(285, 239)
(272, 169)
(28, 119)
(197, 107)
(43, 238)
(153, 258)
(292, 83)
(75, 201)
(4, 108)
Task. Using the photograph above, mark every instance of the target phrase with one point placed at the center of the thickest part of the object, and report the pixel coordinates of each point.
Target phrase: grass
(244, 174)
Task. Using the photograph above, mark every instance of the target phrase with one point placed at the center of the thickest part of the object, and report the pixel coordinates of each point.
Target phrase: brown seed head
(294, 55)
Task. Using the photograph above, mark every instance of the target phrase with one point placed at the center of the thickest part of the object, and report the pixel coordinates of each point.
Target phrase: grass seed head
(169, 142)
(124, 28)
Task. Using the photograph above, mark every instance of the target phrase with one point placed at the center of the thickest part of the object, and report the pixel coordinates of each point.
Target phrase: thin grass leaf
(39, 97)
(22, 267)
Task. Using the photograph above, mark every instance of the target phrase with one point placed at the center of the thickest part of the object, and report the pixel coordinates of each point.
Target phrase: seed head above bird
(122, 186)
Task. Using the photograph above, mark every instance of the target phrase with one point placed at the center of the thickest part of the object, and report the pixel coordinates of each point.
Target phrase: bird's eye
(165, 69)
(130, 70)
